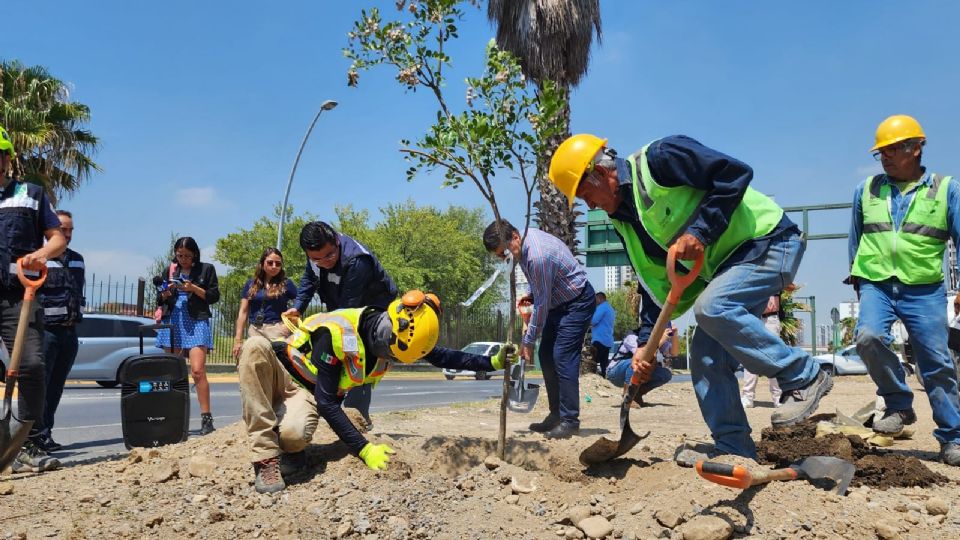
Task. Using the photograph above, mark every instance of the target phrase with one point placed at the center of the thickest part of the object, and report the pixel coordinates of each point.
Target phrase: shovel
(13, 432)
(810, 468)
(523, 395)
(605, 449)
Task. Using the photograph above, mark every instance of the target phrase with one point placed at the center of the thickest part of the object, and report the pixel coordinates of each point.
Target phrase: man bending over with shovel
(26, 219)
(676, 192)
(327, 355)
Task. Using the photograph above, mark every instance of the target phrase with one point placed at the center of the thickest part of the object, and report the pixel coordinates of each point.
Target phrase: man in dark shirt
(26, 220)
(677, 193)
(344, 274)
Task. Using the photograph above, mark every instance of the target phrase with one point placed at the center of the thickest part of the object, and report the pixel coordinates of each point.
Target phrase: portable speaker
(155, 398)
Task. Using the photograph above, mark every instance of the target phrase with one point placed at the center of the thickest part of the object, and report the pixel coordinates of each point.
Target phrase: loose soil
(783, 446)
(442, 483)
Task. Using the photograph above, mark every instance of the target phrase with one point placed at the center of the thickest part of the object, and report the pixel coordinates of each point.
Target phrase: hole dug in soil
(783, 446)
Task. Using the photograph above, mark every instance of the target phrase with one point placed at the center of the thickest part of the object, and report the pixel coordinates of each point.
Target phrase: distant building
(616, 276)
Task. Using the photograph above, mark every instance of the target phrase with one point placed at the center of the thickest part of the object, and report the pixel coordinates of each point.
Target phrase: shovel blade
(522, 400)
(605, 449)
(13, 434)
(821, 467)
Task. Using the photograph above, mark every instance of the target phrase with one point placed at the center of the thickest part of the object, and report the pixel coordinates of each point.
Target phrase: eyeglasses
(328, 257)
(892, 150)
(273, 263)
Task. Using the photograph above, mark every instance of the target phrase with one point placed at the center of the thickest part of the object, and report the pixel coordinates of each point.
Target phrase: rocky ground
(443, 484)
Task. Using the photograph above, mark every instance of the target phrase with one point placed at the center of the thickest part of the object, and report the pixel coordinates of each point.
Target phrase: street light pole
(326, 106)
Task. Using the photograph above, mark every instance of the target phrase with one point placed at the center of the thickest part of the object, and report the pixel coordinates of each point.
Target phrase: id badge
(350, 344)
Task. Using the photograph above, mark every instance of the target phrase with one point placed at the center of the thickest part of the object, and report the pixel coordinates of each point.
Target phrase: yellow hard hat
(898, 127)
(571, 160)
(416, 325)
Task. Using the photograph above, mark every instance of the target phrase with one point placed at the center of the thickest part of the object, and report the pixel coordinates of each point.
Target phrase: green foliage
(54, 148)
(789, 323)
(625, 302)
(847, 327)
(423, 247)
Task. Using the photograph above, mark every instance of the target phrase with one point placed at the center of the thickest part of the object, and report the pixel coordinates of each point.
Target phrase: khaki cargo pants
(279, 415)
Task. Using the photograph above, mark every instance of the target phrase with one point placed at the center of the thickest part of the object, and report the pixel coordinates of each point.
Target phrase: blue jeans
(620, 371)
(923, 311)
(59, 352)
(560, 346)
(730, 332)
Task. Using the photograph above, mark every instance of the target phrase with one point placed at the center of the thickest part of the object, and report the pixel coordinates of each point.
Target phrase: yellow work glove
(376, 456)
(506, 356)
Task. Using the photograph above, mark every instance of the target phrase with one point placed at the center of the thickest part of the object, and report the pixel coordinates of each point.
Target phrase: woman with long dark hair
(264, 297)
(193, 287)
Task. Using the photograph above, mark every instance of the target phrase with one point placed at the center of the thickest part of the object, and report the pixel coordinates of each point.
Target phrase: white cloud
(196, 197)
(864, 171)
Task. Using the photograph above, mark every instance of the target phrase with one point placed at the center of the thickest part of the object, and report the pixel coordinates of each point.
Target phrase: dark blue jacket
(62, 293)
(25, 215)
(357, 280)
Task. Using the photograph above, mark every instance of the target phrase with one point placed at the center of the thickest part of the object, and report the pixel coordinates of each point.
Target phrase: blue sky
(201, 106)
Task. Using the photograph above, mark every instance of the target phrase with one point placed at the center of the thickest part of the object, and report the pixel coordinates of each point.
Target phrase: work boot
(892, 422)
(268, 478)
(293, 463)
(797, 405)
(563, 430)
(34, 459)
(950, 454)
(690, 452)
(206, 424)
(550, 422)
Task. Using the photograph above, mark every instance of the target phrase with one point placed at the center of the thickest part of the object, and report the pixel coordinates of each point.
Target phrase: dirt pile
(783, 446)
(443, 484)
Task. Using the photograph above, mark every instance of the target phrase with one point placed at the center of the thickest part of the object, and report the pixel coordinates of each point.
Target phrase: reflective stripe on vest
(51, 311)
(26, 271)
(348, 349)
(914, 253)
(667, 212)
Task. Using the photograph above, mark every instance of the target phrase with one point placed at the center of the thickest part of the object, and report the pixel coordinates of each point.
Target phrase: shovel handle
(30, 285)
(679, 283)
(740, 477)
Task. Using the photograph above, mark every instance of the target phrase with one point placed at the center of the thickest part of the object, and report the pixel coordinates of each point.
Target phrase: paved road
(88, 420)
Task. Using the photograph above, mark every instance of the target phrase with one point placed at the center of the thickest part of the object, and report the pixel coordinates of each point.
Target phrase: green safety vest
(914, 253)
(667, 212)
(347, 348)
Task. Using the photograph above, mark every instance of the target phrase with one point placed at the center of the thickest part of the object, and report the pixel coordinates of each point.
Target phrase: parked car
(848, 362)
(487, 348)
(106, 342)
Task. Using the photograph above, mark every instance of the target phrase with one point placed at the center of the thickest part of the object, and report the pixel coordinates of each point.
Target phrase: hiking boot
(797, 405)
(206, 424)
(950, 454)
(892, 422)
(550, 422)
(563, 430)
(268, 478)
(34, 459)
(689, 453)
(47, 443)
(293, 463)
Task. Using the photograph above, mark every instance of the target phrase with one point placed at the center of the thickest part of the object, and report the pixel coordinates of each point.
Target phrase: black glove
(855, 281)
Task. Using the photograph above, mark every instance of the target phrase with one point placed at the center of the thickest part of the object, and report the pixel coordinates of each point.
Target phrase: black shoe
(291, 464)
(47, 443)
(548, 423)
(563, 430)
(206, 424)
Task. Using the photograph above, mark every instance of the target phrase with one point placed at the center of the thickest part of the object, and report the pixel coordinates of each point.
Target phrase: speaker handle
(161, 326)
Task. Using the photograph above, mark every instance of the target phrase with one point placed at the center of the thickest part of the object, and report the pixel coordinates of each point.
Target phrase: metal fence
(123, 296)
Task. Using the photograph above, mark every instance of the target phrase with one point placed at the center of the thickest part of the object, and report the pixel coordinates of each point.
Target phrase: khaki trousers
(279, 415)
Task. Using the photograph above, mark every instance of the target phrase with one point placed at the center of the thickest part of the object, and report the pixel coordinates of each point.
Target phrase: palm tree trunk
(553, 213)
